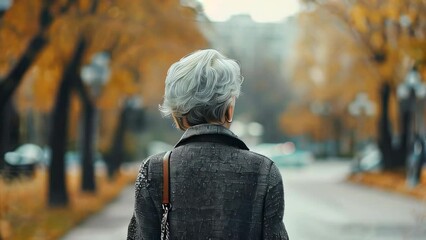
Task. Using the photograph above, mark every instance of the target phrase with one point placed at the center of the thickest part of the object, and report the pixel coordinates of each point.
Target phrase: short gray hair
(201, 87)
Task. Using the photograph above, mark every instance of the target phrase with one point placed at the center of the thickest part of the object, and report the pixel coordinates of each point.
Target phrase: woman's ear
(180, 122)
(229, 115)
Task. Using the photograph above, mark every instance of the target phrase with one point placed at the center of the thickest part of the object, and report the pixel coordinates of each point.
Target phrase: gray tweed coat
(219, 190)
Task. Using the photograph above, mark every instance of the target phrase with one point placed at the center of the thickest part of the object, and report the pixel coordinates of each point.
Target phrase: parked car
(284, 154)
(23, 160)
(369, 158)
(155, 147)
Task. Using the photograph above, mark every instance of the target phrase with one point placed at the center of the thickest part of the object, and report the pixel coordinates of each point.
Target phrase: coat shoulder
(258, 157)
(143, 179)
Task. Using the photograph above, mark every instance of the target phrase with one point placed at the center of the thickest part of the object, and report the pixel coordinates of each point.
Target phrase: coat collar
(211, 132)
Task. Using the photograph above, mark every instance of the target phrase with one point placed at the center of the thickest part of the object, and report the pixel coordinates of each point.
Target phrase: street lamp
(322, 110)
(131, 118)
(5, 5)
(360, 108)
(405, 21)
(95, 74)
(135, 118)
(412, 93)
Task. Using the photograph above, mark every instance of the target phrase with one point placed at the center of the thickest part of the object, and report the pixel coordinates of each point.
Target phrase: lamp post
(412, 95)
(131, 117)
(5, 5)
(360, 108)
(396, 31)
(135, 120)
(95, 75)
(322, 110)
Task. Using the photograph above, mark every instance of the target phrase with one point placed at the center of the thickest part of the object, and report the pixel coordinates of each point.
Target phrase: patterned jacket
(218, 189)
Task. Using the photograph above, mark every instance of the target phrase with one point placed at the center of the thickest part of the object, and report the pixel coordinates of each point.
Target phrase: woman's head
(201, 88)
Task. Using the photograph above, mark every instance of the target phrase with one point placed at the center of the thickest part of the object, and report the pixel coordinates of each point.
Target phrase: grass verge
(393, 181)
(24, 214)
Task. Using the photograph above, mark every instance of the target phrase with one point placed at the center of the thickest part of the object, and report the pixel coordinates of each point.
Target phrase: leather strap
(166, 178)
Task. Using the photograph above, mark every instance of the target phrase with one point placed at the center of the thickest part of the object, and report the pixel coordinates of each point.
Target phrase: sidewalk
(316, 196)
(109, 224)
(321, 204)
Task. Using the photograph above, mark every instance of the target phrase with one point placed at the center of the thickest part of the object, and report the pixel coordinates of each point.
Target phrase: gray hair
(200, 87)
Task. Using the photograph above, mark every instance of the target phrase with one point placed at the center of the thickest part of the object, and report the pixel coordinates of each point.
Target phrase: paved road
(320, 205)
(110, 224)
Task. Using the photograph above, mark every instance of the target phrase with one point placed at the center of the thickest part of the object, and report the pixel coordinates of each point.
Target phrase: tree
(327, 72)
(123, 40)
(143, 38)
(387, 36)
(13, 28)
(57, 185)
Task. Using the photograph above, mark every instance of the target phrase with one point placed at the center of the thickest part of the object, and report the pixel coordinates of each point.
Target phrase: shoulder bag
(166, 206)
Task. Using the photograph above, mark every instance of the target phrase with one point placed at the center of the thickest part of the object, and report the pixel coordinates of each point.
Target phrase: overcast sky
(259, 10)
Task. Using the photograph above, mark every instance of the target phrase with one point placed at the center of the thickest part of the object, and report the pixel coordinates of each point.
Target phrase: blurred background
(334, 94)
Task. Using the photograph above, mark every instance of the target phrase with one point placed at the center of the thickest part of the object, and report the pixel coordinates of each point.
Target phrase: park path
(109, 224)
(320, 205)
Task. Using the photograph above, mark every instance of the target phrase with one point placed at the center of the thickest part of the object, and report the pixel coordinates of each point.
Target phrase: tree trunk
(59, 131)
(337, 133)
(13, 79)
(4, 135)
(385, 135)
(88, 140)
(11, 83)
(9, 129)
(406, 122)
(34, 48)
(116, 153)
(88, 183)
(88, 149)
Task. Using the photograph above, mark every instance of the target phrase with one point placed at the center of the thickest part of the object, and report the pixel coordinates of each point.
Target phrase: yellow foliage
(110, 98)
(377, 40)
(143, 38)
(84, 5)
(392, 12)
(348, 57)
(24, 213)
(107, 126)
(375, 18)
(129, 29)
(23, 18)
(393, 181)
(358, 16)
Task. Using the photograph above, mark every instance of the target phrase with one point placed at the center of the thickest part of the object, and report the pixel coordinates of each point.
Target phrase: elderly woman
(217, 188)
